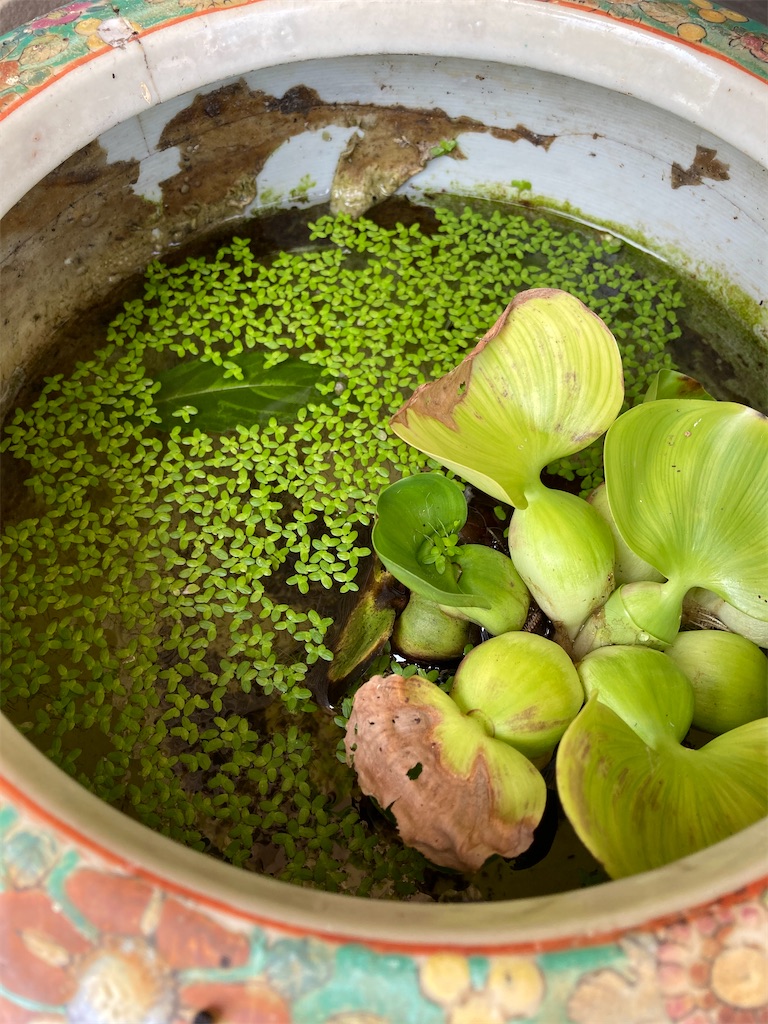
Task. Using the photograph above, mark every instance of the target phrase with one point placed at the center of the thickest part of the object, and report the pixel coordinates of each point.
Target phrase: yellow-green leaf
(687, 485)
(544, 382)
(637, 808)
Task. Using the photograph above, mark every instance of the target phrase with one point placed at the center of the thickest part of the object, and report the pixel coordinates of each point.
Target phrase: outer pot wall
(83, 882)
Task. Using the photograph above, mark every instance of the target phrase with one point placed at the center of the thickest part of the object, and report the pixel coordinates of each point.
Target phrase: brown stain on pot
(225, 138)
(87, 226)
(75, 236)
(705, 165)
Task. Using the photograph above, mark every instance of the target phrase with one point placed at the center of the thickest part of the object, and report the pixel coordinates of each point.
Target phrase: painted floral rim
(84, 927)
(34, 55)
(82, 821)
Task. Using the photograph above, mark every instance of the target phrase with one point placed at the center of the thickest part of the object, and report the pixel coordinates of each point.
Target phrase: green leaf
(416, 538)
(687, 484)
(211, 398)
(411, 514)
(638, 808)
(645, 689)
(674, 384)
(544, 382)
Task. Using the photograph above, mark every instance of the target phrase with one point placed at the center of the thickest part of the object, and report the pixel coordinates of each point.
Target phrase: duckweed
(167, 596)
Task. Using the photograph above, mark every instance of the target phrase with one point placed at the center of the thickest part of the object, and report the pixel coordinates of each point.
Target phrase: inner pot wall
(112, 193)
(188, 165)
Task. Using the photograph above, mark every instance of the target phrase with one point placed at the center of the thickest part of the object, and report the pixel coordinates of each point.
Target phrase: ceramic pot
(124, 135)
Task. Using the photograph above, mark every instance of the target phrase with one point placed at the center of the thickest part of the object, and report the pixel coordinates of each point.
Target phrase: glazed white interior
(621, 119)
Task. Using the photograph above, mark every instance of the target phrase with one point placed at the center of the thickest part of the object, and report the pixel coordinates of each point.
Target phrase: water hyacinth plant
(683, 506)
(492, 421)
(621, 768)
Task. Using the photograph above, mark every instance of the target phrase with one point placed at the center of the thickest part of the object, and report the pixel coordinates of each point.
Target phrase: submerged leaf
(544, 382)
(241, 392)
(637, 808)
(366, 630)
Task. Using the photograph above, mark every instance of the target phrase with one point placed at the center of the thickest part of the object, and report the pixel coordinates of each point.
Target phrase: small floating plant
(189, 580)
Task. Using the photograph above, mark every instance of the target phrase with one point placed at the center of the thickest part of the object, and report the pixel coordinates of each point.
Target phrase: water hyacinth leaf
(544, 382)
(491, 576)
(686, 484)
(241, 392)
(415, 515)
(729, 676)
(674, 384)
(627, 567)
(525, 686)
(458, 795)
(645, 689)
(637, 808)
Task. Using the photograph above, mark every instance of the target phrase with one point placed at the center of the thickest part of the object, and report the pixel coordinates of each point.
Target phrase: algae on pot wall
(172, 590)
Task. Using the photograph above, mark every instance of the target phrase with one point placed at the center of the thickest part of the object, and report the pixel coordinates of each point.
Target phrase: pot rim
(140, 67)
(721, 872)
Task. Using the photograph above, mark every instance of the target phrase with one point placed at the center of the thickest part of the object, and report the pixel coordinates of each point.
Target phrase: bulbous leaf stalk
(705, 610)
(425, 632)
(564, 553)
(654, 699)
(646, 613)
(729, 675)
(458, 795)
(525, 686)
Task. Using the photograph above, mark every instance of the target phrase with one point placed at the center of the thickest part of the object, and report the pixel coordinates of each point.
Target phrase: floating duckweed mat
(168, 592)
